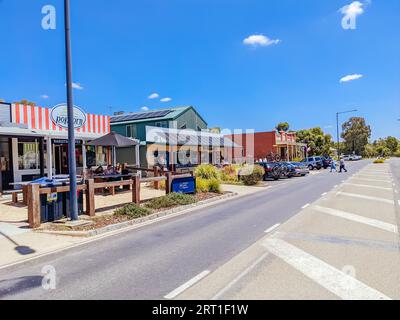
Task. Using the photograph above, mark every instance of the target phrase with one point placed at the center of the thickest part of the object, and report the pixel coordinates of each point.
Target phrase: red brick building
(269, 144)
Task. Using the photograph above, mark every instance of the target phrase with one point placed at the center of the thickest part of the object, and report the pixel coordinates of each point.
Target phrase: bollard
(90, 204)
(136, 189)
(34, 205)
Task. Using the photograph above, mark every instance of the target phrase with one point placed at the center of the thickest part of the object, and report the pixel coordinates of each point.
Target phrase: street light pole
(337, 128)
(70, 109)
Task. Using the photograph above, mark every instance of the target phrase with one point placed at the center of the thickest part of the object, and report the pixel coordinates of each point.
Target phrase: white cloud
(353, 9)
(44, 96)
(166, 99)
(144, 108)
(256, 40)
(329, 126)
(154, 96)
(351, 77)
(77, 86)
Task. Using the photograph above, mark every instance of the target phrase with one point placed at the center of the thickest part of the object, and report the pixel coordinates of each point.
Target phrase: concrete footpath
(343, 246)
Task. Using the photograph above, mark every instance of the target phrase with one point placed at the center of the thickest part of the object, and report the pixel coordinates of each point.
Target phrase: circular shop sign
(59, 116)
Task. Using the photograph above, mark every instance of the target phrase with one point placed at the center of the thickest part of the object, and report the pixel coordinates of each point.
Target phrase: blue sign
(184, 185)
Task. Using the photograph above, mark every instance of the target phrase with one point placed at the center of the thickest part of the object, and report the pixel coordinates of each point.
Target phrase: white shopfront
(27, 133)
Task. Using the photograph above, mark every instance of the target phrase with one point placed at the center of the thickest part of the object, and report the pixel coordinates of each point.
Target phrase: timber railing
(89, 187)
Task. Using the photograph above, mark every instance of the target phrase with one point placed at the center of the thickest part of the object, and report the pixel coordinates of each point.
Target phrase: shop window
(29, 155)
(131, 131)
(162, 124)
(96, 156)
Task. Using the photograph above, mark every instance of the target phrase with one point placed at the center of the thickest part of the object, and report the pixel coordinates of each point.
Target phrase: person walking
(333, 165)
(342, 165)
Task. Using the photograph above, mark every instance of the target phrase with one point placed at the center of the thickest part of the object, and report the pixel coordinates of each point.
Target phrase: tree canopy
(26, 102)
(315, 138)
(356, 134)
(282, 126)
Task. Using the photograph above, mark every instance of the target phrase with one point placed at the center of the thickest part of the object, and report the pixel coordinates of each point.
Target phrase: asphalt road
(150, 262)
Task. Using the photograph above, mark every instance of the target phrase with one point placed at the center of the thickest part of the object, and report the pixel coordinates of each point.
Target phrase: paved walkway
(343, 246)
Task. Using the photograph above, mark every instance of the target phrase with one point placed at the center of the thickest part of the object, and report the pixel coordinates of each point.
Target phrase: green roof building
(134, 125)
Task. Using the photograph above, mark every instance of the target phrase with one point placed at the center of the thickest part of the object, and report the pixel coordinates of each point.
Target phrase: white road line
(357, 218)
(305, 206)
(272, 228)
(324, 194)
(374, 180)
(366, 186)
(360, 196)
(332, 279)
(385, 175)
(186, 285)
(240, 276)
(335, 186)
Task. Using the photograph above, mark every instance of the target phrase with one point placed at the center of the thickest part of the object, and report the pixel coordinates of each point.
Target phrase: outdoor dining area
(47, 199)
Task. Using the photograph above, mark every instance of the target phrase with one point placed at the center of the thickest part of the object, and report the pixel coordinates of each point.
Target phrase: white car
(352, 157)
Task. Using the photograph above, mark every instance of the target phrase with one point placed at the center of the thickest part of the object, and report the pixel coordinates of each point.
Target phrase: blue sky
(193, 52)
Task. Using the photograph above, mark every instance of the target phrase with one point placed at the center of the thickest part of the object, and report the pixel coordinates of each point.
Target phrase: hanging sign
(59, 116)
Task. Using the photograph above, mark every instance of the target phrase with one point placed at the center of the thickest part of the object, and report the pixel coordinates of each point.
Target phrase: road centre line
(327, 276)
(357, 218)
(360, 196)
(186, 285)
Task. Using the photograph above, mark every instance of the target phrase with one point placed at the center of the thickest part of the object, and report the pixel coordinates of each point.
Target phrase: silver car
(300, 168)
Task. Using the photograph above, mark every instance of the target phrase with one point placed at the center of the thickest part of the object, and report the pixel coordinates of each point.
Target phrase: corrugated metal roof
(187, 137)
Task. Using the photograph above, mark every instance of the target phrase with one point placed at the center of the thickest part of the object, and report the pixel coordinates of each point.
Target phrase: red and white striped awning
(38, 118)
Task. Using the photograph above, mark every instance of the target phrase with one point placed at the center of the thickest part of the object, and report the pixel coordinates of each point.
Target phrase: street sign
(59, 115)
(184, 185)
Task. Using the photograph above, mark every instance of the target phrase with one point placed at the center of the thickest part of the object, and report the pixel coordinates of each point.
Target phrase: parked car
(272, 170)
(326, 162)
(351, 157)
(313, 162)
(287, 170)
(300, 169)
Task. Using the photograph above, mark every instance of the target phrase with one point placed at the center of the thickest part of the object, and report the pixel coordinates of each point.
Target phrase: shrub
(206, 171)
(397, 153)
(214, 185)
(170, 200)
(132, 210)
(251, 175)
(229, 174)
(210, 185)
(379, 161)
(201, 185)
(297, 159)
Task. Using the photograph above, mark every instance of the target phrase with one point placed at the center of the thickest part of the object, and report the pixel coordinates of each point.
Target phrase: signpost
(184, 185)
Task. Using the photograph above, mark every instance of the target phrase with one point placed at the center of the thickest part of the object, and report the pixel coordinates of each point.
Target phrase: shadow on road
(18, 285)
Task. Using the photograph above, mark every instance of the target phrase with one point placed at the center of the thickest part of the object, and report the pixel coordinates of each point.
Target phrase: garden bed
(100, 222)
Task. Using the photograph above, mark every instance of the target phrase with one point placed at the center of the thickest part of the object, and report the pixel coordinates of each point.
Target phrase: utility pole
(70, 108)
(337, 129)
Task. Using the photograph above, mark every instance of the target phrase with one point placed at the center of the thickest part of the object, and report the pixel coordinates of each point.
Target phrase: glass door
(6, 176)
